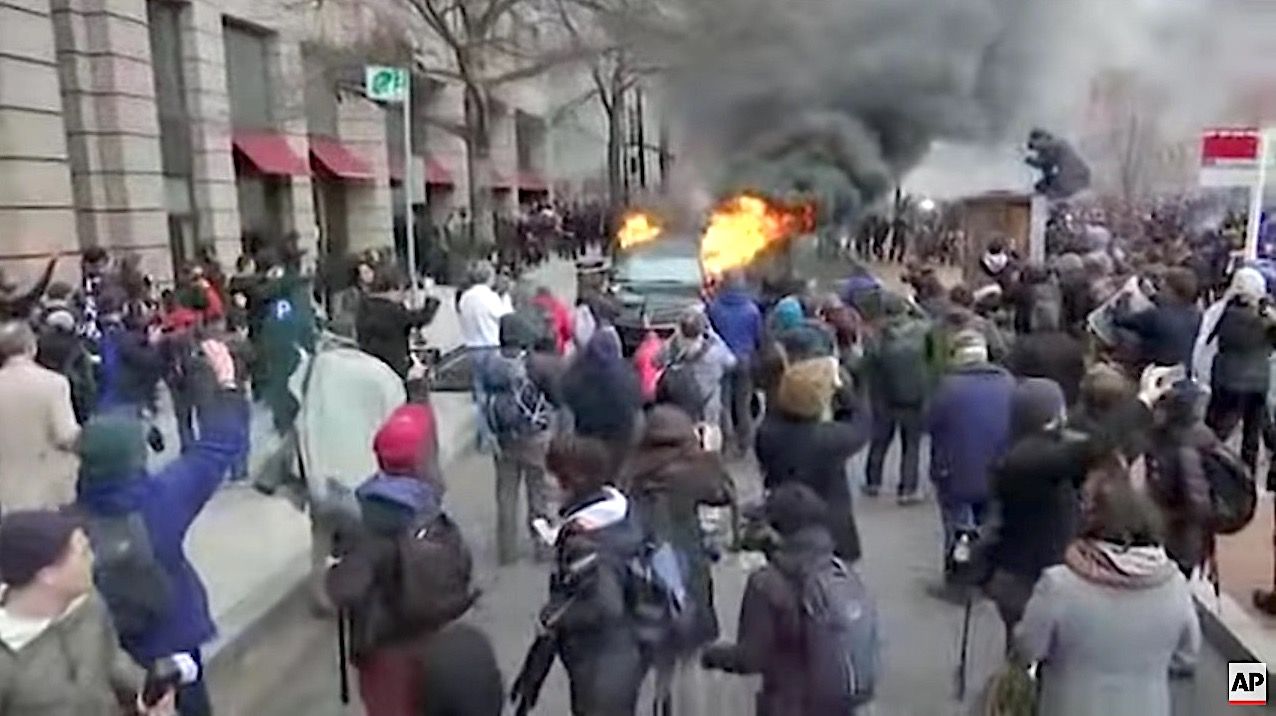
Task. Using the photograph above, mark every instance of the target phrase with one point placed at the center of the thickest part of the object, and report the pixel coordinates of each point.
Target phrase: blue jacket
(969, 424)
(169, 501)
(1168, 332)
(738, 321)
(131, 370)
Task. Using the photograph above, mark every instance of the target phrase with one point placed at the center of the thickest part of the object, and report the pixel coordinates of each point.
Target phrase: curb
(1227, 627)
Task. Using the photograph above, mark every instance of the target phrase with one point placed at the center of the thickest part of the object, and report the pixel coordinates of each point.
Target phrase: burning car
(653, 284)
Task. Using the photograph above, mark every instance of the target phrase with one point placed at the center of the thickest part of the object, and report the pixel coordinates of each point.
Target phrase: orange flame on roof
(638, 227)
(744, 226)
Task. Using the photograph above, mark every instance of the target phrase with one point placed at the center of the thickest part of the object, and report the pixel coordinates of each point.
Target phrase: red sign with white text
(1229, 146)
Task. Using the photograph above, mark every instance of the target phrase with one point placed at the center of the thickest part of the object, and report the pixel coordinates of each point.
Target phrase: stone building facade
(158, 127)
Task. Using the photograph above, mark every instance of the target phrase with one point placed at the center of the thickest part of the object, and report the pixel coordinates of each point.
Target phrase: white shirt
(481, 309)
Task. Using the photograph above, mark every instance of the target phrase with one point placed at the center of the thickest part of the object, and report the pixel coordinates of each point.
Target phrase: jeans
(519, 463)
(1228, 408)
(959, 516)
(886, 421)
(184, 412)
(478, 362)
(737, 405)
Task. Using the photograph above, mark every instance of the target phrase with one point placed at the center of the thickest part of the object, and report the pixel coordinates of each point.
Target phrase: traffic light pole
(1253, 226)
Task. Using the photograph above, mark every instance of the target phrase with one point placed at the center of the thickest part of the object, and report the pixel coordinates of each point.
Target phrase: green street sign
(385, 84)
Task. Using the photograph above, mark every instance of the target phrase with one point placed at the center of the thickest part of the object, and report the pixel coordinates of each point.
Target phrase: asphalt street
(921, 629)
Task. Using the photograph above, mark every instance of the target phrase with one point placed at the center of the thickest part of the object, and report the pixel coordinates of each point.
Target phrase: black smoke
(838, 99)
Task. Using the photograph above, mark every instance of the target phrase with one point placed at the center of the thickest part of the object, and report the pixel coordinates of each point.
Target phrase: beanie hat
(405, 441)
(969, 347)
(1036, 402)
(806, 389)
(112, 447)
(30, 541)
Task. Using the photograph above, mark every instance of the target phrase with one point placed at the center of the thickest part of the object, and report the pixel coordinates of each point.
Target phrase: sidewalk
(1245, 562)
(253, 550)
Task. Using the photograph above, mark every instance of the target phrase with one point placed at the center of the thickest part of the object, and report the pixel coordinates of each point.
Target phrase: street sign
(385, 84)
(1229, 157)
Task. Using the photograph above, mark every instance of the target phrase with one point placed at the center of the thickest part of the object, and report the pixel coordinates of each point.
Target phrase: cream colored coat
(37, 434)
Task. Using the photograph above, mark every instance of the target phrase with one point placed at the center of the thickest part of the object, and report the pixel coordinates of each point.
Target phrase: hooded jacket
(131, 368)
(168, 502)
(969, 425)
(596, 638)
(68, 666)
(383, 327)
(669, 477)
(602, 390)
(794, 445)
(1245, 340)
(736, 318)
(769, 638)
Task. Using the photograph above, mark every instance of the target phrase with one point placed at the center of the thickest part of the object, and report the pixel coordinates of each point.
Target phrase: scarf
(1120, 566)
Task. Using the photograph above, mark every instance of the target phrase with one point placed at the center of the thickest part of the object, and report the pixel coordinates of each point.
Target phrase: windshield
(667, 264)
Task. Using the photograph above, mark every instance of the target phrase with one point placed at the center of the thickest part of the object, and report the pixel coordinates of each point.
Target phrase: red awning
(269, 153)
(332, 157)
(499, 180)
(532, 181)
(436, 173)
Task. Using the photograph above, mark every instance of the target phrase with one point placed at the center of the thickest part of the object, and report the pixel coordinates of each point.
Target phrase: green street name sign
(385, 84)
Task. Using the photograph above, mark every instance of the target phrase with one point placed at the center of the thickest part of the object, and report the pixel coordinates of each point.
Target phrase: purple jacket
(969, 425)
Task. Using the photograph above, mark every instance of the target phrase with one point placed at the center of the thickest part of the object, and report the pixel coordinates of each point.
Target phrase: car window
(648, 269)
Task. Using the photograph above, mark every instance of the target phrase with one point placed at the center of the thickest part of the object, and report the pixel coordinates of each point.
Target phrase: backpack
(839, 635)
(516, 406)
(432, 572)
(657, 582)
(901, 362)
(132, 582)
(677, 384)
(1233, 494)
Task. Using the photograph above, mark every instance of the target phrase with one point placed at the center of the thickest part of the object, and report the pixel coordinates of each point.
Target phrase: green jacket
(71, 666)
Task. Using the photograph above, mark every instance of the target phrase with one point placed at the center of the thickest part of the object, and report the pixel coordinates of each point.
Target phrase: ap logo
(1246, 683)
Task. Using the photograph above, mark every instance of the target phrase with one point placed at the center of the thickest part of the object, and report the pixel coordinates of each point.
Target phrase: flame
(638, 228)
(744, 226)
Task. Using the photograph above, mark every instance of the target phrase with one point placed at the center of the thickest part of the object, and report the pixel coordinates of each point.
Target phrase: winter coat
(63, 352)
(384, 326)
(130, 370)
(560, 318)
(459, 674)
(286, 326)
(1051, 354)
(37, 465)
(769, 637)
(597, 642)
(1036, 488)
(736, 318)
(669, 477)
(603, 392)
(708, 361)
(1167, 332)
(168, 502)
(969, 426)
(1107, 651)
(893, 381)
(804, 449)
(1245, 341)
(1180, 488)
(70, 666)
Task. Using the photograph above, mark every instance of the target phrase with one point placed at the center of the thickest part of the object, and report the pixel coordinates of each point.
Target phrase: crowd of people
(1077, 413)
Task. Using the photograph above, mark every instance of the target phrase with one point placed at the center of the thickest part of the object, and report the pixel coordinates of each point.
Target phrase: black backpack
(134, 585)
(839, 635)
(1233, 494)
(434, 570)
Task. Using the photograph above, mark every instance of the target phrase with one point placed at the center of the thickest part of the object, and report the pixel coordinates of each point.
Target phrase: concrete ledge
(1231, 630)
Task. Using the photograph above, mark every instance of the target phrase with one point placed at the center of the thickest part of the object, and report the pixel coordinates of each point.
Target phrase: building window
(321, 94)
(164, 22)
(248, 75)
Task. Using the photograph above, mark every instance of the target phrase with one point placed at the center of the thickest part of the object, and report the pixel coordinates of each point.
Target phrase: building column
(112, 128)
(212, 155)
(36, 211)
(361, 125)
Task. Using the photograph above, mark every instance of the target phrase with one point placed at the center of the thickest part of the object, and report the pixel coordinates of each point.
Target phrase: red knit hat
(405, 440)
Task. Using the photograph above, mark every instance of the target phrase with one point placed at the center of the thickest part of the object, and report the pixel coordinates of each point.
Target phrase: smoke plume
(841, 98)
